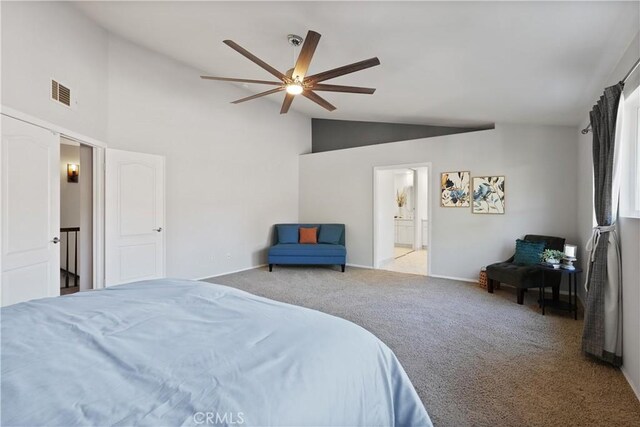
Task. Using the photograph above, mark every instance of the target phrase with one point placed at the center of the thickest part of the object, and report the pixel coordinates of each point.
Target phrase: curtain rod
(624, 80)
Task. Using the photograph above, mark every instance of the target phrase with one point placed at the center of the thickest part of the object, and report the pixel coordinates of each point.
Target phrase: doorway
(122, 227)
(401, 218)
(76, 216)
(32, 174)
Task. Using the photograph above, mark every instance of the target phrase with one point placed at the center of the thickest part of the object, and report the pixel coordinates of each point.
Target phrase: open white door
(134, 217)
(30, 212)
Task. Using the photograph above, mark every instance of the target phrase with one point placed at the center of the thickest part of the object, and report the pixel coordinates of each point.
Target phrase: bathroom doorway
(402, 218)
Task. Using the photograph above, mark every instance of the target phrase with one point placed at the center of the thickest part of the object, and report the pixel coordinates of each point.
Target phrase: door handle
(55, 240)
(159, 229)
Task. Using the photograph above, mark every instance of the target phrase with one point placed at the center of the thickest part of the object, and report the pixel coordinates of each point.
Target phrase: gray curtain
(602, 335)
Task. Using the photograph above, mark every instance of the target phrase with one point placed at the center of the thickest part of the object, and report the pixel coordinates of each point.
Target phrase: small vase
(552, 262)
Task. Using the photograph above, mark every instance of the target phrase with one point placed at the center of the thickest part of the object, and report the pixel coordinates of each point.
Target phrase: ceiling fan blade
(242, 51)
(230, 79)
(347, 89)
(258, 95)
(306, 53)
(288, 99)
(341, 71)
(318, 99)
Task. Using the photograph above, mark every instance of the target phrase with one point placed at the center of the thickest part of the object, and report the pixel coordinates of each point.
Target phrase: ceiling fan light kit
(295, 88)
(295, 82)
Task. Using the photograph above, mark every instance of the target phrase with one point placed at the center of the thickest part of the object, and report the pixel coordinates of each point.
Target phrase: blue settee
(330, 249)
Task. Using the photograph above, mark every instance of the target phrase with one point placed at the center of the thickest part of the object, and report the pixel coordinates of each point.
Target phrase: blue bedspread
(173, 352)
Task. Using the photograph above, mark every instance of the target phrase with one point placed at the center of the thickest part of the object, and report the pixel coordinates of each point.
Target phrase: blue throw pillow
(330, 233)
(528, 253)
(287, 233)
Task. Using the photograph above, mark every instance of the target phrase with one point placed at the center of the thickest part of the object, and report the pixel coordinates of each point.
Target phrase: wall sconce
(73, 171)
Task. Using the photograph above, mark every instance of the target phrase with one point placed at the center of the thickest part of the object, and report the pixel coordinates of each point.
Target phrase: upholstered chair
(524, 277)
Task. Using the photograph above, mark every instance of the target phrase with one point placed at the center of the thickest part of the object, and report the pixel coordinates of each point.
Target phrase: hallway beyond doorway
(399, 251)
(401, 221)
(408, 261)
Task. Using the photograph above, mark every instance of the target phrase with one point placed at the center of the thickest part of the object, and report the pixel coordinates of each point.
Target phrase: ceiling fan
(295, 81)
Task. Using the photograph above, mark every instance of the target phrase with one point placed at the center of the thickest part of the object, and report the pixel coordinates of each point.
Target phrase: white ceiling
(442, 62)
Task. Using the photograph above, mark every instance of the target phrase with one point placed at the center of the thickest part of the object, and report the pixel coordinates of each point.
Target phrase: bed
(175, 352)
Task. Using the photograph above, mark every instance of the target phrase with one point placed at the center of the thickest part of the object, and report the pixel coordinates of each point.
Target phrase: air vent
(60, 93)
(54, 90)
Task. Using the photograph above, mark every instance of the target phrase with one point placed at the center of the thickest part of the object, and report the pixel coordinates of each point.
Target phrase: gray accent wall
(329, 135)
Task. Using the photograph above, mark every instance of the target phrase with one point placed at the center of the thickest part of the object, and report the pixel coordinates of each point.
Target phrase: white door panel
(134, 217)
(30, 212)
(138, 213)
(138, 261)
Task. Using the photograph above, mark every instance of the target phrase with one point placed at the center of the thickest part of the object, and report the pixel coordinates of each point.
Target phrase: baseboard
(368, 267)
(459, 279)
(232, 272)
(633, 387)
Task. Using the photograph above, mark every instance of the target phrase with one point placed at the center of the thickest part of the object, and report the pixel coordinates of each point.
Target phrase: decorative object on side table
(569, 257)
(488, 195)
(455, 189)
(552, 258)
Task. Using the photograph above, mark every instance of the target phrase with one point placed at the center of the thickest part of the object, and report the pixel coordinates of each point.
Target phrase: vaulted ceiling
(443, 63)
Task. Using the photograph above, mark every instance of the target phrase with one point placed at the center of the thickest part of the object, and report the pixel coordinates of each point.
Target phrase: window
(630, 157)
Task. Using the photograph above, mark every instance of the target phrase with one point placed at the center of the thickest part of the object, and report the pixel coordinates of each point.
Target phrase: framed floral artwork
(454, 189)
(488, 195)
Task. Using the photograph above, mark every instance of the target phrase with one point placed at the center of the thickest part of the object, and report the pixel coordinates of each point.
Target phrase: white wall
(385, 210)
(421, 190)
(629, 231)
(585, 214)
(232, 170)
(540, 167)
(67, 46)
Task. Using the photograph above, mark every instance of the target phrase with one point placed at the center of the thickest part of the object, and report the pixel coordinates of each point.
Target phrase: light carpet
(474, 358)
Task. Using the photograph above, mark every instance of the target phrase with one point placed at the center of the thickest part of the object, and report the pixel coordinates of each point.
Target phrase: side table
(572, 305)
